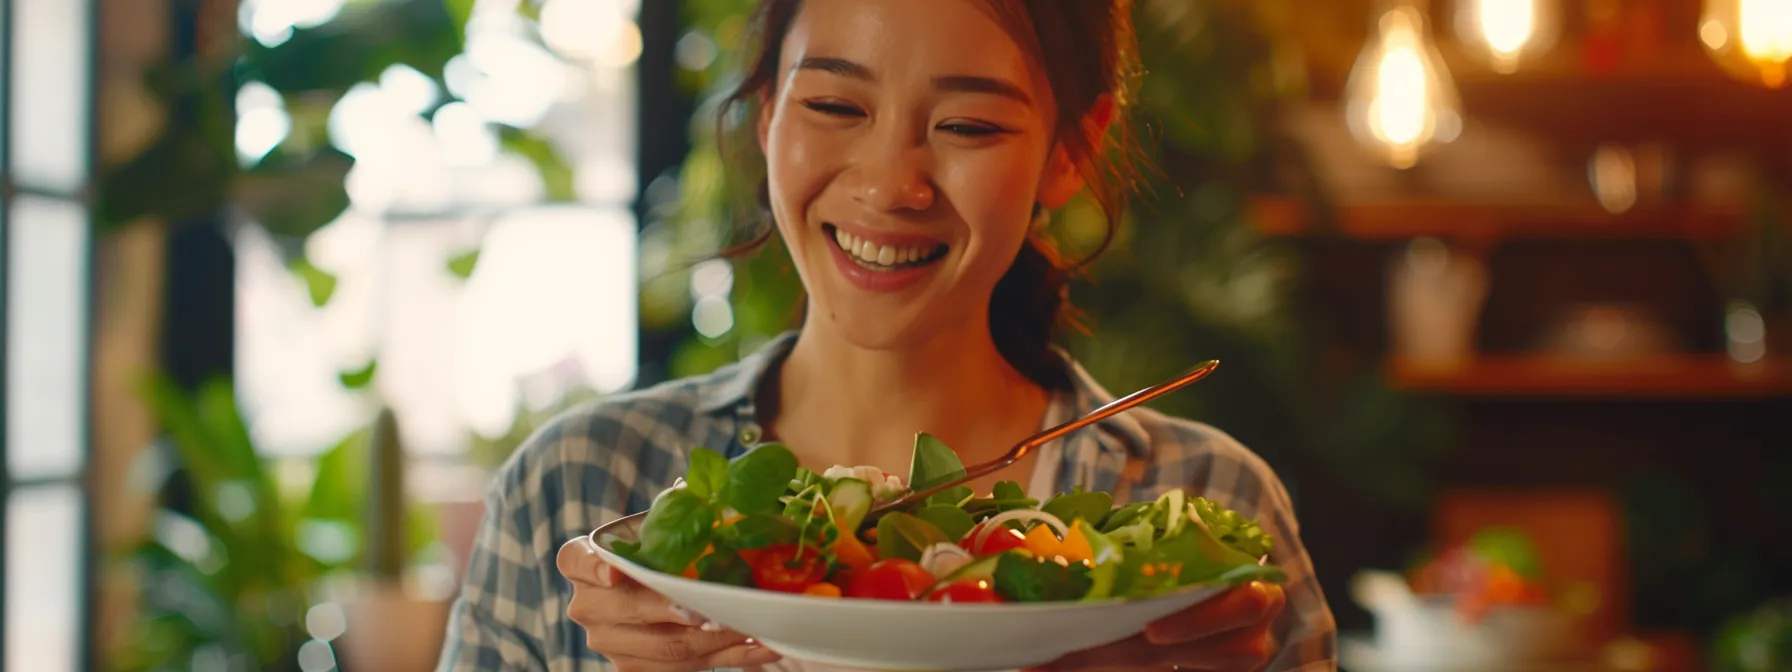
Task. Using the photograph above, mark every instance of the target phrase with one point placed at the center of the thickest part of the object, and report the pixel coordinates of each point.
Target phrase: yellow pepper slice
(1075, 547)
(1042, 542)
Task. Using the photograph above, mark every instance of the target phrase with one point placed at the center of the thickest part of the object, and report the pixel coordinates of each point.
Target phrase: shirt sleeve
(1205, 461)
(1306, 634)
(497, 621)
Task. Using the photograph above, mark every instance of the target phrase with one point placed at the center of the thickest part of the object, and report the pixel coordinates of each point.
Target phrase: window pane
(46, 336)
(551, 304)
(51, 83)
(43, 578)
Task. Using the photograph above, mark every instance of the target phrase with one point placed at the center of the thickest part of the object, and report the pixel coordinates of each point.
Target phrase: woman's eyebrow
(838, 66)
(953, 83)
(978, 84)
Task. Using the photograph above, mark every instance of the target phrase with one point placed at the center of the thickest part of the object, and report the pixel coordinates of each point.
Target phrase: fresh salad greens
(762, 521)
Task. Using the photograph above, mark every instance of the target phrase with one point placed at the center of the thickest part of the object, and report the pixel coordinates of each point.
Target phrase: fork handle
(1031, 443)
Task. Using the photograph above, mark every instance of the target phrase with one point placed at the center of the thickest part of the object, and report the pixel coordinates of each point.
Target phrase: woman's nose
(892, 174)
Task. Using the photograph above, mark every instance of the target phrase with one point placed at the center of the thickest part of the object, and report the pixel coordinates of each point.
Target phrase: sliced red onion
(1022, 515)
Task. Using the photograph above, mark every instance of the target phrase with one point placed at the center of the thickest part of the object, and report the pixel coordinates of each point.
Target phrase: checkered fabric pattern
(610, 458)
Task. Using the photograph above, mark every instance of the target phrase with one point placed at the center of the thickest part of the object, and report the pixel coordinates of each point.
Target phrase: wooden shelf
(1665, 376)
(1414, 219)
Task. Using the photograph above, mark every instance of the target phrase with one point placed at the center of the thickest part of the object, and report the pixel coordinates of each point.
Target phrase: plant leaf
(676, 532)
(462, 265)
(900, 535)
(954, 522)
(708, 474)
(1020, 578)
(757, 479)
(934, 463)
(359, 379)
(725, 566)
(319, 285)
(758, 530)
(1079, 505)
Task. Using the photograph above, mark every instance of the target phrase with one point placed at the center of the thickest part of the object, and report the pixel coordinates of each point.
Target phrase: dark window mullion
(6, 183)
(85, 618)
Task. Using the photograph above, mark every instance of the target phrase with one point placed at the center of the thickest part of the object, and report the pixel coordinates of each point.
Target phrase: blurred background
(1504, 289)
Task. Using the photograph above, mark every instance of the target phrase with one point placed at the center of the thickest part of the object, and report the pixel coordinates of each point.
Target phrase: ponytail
(1024, 312)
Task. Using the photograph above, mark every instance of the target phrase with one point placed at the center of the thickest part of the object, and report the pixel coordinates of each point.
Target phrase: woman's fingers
(744, 655)
(663, 642)
(1245, 606)
(739, 655)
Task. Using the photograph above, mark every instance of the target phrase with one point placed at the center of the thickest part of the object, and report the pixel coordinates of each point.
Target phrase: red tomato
(778, 568)
(997, 541)
(891, 579)
(965, 590)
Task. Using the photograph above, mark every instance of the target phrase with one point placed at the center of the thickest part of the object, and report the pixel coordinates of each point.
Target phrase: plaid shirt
(609, 459)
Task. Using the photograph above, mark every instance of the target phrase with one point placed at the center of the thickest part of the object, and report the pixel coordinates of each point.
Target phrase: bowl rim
(919, 608)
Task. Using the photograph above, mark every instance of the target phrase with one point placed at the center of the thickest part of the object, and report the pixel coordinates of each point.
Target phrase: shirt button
(750, 434)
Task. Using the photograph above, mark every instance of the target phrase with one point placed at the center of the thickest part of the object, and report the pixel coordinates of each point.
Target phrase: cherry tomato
(891, 579)
(778, 568)
(997, 541)
(964, 591)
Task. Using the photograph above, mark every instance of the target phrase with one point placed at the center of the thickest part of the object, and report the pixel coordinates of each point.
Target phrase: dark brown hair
(1087, 50)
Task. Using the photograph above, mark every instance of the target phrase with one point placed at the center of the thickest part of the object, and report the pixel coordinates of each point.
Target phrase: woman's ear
(1064, 177)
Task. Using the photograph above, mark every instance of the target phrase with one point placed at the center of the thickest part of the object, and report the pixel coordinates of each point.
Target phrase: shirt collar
(731, 388)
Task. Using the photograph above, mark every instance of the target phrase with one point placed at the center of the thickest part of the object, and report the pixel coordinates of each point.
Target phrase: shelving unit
(1394, 221)
(1654, 377)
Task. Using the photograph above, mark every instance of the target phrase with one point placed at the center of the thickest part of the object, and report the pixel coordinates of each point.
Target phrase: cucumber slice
(851, 501)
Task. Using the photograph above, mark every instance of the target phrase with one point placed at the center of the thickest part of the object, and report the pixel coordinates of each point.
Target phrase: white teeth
(883, 255)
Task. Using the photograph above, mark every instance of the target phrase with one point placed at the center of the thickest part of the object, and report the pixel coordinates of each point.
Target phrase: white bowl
(910, 636)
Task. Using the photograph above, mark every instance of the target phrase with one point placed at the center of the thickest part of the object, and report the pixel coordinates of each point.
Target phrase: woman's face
(907, 142)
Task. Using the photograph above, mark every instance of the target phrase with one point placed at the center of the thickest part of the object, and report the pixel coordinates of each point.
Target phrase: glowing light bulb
(1751, 39)
(1506, 32)
(1400, 98)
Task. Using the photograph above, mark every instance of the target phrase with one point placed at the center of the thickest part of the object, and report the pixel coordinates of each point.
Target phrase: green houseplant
(231, 571)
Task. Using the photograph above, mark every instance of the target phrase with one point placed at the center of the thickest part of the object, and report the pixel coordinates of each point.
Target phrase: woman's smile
(882, 262)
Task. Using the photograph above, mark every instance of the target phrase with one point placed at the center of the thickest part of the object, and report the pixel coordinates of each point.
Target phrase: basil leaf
(1122, 516)
(708, 474)
(757, 479)
(900, 535)
(725, 566)
(932, 464)
(954, 522)
(1008, 490)
(989, 507)
(758, 530)
(676, 531)
(629, 550)
(1090, 506)
(1022, 579)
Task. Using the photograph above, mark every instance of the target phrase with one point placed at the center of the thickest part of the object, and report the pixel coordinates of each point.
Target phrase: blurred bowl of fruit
(1483, 603)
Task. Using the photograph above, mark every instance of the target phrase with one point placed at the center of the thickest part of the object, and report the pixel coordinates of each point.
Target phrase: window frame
(84, 656)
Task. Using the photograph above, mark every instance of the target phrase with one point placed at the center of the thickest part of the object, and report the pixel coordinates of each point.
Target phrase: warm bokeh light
(1400, 98)
(1751, 39)
(1506, 32)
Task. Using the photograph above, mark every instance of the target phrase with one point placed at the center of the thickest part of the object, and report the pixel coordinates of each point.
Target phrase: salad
(761, 521)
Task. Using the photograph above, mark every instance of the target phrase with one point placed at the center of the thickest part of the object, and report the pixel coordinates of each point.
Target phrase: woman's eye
(971, 130)
(833, 109)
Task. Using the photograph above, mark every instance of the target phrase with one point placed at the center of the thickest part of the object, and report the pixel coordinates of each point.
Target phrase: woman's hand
(638, 629)
(1229, 632)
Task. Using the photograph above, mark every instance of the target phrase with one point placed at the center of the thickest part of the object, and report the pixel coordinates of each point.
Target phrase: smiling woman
(1020, 128)
(911, 150)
